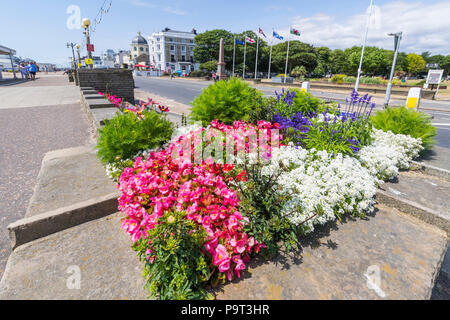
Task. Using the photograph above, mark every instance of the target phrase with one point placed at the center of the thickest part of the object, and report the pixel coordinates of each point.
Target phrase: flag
(250, 40)
(276, 35)
(262, 32)
(295, 32)
(237, 41)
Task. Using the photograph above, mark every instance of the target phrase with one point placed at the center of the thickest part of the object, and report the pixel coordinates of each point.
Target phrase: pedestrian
(23, 71)
(33, 69)
(214, 77)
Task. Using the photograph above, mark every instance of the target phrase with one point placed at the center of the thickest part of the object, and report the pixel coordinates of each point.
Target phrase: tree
(338, 61)
(415, 63)
(209, 66)
(299, 72)
(300, 54)
(208, 44)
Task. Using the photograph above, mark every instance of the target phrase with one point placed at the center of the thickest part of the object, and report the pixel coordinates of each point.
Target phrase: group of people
(28, 71)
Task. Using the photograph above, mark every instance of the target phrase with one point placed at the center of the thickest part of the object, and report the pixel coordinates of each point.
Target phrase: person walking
(23, 71)
(33, 70)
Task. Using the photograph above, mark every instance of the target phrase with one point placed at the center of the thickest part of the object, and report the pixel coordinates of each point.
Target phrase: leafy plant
(126, 134)
(175, 267)
(261, 202)
(226, 101)
(402, 120)
(292, 101)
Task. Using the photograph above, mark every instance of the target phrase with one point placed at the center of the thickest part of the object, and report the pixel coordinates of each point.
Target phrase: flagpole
(270, 56)
(287, 57)
(245, 52)
(256, 63)
(234, 53)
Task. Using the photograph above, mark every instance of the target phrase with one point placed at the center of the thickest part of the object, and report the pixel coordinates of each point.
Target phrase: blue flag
(276, 35)
(239, 41)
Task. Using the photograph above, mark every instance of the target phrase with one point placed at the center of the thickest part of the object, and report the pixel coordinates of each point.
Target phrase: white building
(172, 50)
(122, 59)
(108, 58)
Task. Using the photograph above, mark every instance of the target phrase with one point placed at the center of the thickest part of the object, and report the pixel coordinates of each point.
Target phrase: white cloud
(425, 27)
(174, 11)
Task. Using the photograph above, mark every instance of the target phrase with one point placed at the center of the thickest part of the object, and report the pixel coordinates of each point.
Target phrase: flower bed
(199, 208)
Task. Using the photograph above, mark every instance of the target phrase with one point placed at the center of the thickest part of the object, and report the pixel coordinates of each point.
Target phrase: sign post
(434, 77)
(413, 100)
(306, 86)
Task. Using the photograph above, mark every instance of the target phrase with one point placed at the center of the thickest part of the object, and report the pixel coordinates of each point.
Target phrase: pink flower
(220, 255)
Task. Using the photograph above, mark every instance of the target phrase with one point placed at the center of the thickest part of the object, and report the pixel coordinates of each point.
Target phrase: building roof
(139, 40)
(6, 50)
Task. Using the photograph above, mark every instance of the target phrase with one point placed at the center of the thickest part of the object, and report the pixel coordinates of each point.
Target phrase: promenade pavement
(35, 117)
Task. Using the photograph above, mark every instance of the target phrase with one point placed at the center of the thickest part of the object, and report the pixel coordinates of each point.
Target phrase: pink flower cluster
(136, 109)
(204, 191)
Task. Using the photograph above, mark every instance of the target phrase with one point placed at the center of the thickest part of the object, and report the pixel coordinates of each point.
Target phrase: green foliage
(176, 268)
(334, 137)
(125, 135)
(402, 120)
(299, 72)
(303, 102)
(262, 110)
(226, 101)
(261, 202)
(209, 66)
(198, 73)
(338, 78)
(416, 63)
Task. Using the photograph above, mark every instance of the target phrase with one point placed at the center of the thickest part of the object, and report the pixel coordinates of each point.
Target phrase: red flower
(242, 176)
(227, 167)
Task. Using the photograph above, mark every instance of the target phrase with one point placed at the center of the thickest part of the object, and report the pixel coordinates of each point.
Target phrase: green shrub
(338, 78)
(350, 79)
(302, 102)
(402, 120)
(367, 80)
(198, 73)
(176, 268)
(226, 101)
(125, 135)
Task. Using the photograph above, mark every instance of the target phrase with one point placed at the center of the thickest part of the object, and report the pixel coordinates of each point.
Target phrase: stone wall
(119, 82)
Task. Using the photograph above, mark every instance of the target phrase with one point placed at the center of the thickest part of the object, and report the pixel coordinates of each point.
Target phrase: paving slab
(338, 260)
(67, 177)
(98, 253)
(438, 157)
(428, 191)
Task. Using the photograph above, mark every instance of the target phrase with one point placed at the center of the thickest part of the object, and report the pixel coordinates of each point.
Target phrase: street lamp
(73, 54)
(78, 53)
(85, 24)
(397, 38)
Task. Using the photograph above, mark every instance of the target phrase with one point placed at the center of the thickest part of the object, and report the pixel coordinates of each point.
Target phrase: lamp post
(78, 53)
(85, 24)
(397, 38)
(73, 54)
(363, 48)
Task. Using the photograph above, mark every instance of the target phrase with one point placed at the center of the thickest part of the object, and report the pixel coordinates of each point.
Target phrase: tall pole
(234, 53)
(245, 52)
(398, 37)
(270, 59)
(364, 47)
(256, 62)
(287, 59)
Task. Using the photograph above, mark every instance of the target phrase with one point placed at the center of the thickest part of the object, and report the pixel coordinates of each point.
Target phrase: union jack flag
(250, 40)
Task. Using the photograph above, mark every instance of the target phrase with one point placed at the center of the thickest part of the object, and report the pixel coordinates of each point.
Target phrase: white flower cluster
(388, 153)
(321, 187)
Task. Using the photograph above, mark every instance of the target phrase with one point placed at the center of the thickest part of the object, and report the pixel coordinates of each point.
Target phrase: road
(185, 91)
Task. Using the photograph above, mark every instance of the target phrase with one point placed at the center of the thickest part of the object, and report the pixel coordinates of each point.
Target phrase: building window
(172, 48)
(183, 48)
(171, 39)
(157, 39)
(135, 49)
(183, 58)
(142, 49)
(191, 41)
(158, 47)
(172, 58)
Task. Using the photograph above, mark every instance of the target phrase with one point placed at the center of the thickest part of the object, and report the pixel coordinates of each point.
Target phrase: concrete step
(67, 177)
(99, 103)
(428, 193)
(93, 96)
(388, 255)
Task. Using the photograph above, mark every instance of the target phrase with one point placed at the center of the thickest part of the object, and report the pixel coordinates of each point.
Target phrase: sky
(41, 29)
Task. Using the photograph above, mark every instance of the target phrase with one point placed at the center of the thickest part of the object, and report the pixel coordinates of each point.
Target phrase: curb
(414, 209)
(430, 170)
(39, 226)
